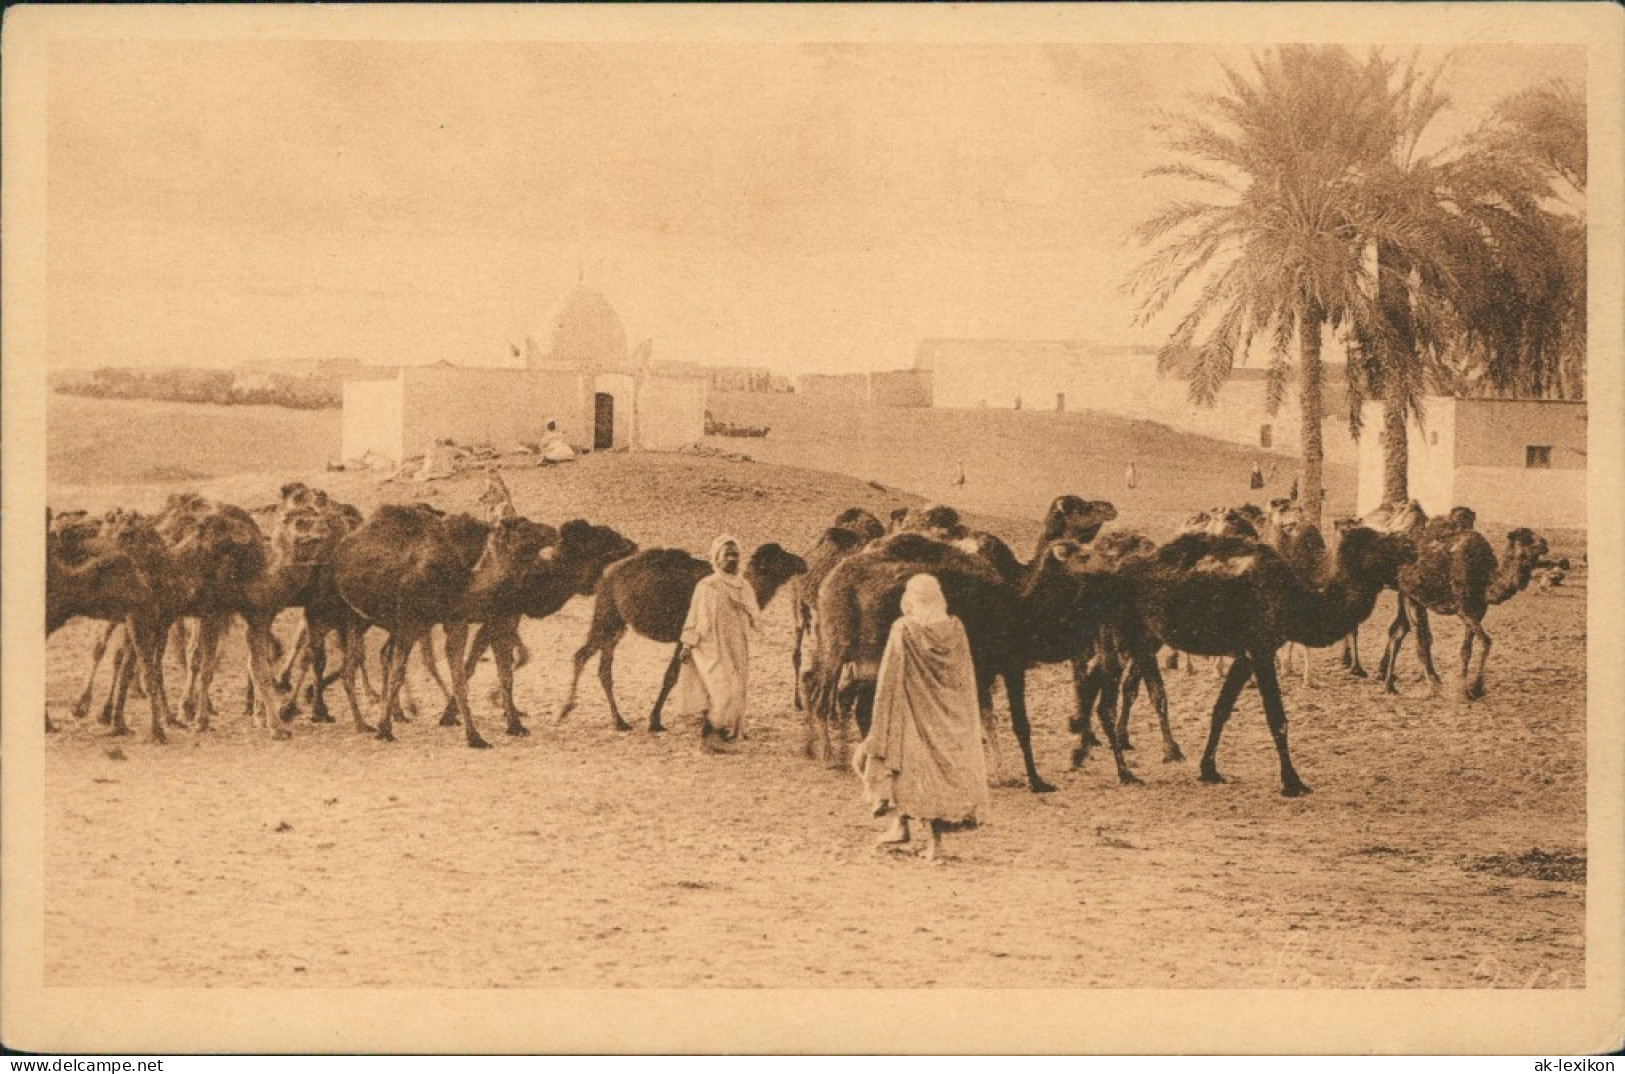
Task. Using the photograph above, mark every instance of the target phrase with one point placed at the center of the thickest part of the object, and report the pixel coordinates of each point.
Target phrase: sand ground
(1444, 845)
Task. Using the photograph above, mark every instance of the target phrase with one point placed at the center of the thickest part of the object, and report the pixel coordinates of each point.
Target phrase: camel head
(768, 568)
(297, 494)
(1075, 518)
(860, 522)
(590, 548)
(1373, 557)
(303, 536)
(1524, 552)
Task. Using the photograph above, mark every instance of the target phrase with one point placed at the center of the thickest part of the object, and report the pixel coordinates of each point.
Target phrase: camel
(1100, 675)
(304, 532)
(1010, 626)
(1407, 519)
(406, 570)
(851, 530)
(1225, 596)
(571, 569)
(1300, 544)
(72, 540)
(1456, 573)
(650, 592)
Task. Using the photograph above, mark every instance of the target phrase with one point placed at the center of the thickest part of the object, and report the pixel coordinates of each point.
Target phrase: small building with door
(597, 395)
(1515, 462)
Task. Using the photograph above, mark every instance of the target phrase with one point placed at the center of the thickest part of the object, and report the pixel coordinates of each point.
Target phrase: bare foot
(896, 836)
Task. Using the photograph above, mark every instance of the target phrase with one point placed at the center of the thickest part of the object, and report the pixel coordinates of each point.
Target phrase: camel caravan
(1235, 585)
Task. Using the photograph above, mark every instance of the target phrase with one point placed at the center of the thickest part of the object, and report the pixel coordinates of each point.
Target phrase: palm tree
(1280, 253)
(1479, 285)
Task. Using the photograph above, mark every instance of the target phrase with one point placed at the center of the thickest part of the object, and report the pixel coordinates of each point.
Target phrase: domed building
(585, 383)
(584, 332)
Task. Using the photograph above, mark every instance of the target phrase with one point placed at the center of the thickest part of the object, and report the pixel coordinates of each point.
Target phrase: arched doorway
(603, 421)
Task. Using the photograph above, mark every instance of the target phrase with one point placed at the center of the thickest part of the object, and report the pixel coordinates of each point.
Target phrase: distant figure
(554, 448)
(1293, 495)
(715, 673)
(1132, 476)
(959, 474)
(1018, 402)
(923, 757)
(1256, 479)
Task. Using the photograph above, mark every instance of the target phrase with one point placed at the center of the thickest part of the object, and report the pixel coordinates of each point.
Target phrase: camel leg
(1269, 689)
(795, 659)
(448, 714)
(1472, 689)
(1351, 653)
(355, 652)
(1088, 683)
(1397, 630)
(125, 664)
(122, 657)
(81, 705)
(316, 640)
(1116, 679)
(1015, 688)
(1159, 699)
(262, 668)
(205, 642)
(456, 648)
(396, 650)
(295, 659)
(606, 679)
(673, 670)
(1424, 649)
(578, 661)
(147, 637)
(504, 648)
(1240, 671)
(990, 732)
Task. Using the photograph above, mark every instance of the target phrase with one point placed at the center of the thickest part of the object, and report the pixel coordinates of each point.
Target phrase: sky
(799, 206)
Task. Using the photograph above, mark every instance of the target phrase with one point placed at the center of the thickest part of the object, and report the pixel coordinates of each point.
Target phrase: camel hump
(668, 559)
(842, 540)
(860, 522)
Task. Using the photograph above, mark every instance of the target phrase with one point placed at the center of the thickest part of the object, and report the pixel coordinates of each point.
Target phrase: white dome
(586, 331)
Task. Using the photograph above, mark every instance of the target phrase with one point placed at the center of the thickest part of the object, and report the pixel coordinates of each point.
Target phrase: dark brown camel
(1222, 596)
(1456, 573)
(407, 570)
(1300, 544)
(88, 575)
(851, 530)
(1406, 519)
(1011, 627)
(221, 565)
(650, 592)
(304, 531)
(571, 569)
(1099, 679)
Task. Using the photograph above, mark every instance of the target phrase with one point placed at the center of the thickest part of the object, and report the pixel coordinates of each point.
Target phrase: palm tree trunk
(1395, 453)
(1393, 300)
(1310, 493)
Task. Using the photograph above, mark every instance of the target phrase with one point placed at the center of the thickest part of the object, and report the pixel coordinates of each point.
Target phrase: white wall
(671, 412)
(1447, 461)
(372, 419)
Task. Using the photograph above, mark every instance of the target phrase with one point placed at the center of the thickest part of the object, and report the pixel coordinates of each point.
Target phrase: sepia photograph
(773, 529)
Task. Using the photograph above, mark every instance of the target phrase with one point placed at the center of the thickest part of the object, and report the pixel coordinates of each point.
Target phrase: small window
(1537, 458)
(1266, 436)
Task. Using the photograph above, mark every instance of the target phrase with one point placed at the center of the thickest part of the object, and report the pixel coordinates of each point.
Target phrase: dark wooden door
(603, 421)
